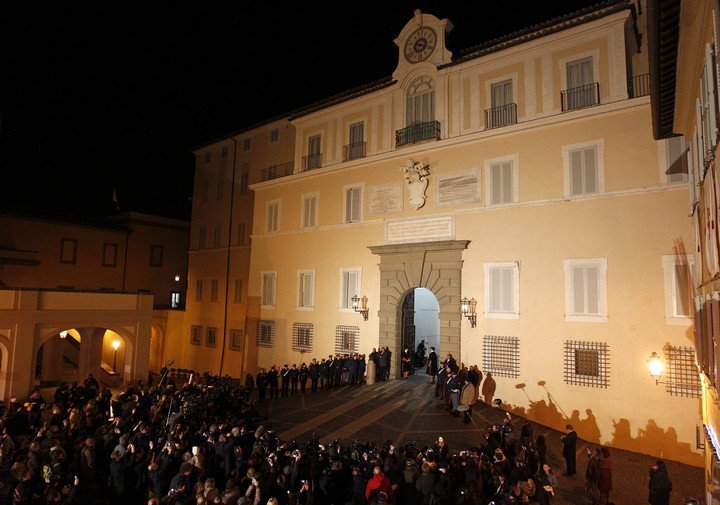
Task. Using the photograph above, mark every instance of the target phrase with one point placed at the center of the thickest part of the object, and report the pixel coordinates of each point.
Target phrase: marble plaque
(458, 187)
(401, 231)
(385, 199)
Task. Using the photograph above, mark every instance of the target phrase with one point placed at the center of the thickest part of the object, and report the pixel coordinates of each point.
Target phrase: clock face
(420, 44)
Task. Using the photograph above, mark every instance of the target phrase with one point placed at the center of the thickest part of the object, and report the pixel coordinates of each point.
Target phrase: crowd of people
(204, 442)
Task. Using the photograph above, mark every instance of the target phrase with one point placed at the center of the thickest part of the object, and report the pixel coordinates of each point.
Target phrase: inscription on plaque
(420, 230)
(385, 199)
(459, 187)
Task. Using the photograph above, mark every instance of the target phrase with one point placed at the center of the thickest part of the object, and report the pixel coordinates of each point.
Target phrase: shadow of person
(488, 388)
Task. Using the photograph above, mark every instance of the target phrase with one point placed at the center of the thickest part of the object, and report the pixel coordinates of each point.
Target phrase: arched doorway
(435, 266)
(420, 324)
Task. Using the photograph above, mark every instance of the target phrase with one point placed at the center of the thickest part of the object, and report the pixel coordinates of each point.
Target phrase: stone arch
(436, 266)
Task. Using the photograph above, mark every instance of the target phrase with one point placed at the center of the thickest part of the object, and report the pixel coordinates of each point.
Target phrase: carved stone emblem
(416, 174)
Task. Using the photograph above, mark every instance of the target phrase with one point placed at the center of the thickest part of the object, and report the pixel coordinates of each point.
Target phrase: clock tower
(422, 40)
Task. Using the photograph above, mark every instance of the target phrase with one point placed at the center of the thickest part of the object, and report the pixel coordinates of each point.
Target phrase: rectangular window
(272, 216)
(176, 300)
(238, 291)
(241, 233)
(110, 255)
(587, 363)
(501, 356)
(314, 158)
(244, 185)
(214, 290)
(586, 290)
(235, 340)
(352, 204)
(309, 210)
(502, 280)
(68, 251)
(356, 148)
(349, 287)
(265, 333)
(217, 236)
(306, 288)
(268, 288)
(220, 186)
(302, 337)
(247, 144)
(581, 90)
(224, 151)
(274, 135)
(211, 337)
(676, 169)
(501, 93)
(347, 339)
(208, 157)
(501, 177)
(678, 274)
(202, 238)
(156, 256)
(199, 284)
(196, 335)
(583, 171)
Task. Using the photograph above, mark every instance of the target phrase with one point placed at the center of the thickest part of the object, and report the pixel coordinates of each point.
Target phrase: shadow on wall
(652, 439)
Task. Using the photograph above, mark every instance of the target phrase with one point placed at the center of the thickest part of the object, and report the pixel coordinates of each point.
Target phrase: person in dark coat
(569, 442)
(314, 372)
(432, 365)
(303, 375)
(660, 485)
(272, 380)
(294, 378)
(262, 384)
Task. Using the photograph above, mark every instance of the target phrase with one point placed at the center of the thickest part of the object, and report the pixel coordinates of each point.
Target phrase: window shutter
(710, 96)
(578, 286)
(590, 171)
(576, 172)
(591, 285)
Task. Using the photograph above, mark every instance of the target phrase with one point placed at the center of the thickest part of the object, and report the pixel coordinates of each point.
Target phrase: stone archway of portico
(436, 266)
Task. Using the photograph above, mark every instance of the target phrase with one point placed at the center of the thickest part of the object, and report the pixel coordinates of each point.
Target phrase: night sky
(107, 96)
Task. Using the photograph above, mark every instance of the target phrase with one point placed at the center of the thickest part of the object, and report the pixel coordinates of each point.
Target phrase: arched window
(420, 105)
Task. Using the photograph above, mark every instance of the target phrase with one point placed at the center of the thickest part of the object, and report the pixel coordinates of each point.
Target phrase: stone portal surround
(436, 266)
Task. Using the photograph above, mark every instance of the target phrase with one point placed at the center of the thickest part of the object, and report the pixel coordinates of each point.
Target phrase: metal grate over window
(265, 333)
(236, 340)
(302, 337)
(501, 355)
(587, 363)
(347, 339)
(211, 337)
(682, 372)
(196, 335)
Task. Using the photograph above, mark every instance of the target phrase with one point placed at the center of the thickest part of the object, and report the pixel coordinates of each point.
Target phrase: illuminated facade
(523, 175)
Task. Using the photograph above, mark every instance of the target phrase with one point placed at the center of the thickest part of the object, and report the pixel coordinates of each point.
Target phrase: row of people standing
(340, 370)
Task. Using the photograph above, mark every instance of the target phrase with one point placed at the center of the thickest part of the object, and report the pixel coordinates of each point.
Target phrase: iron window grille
(236, 339)
(683, 378)
(195, 335)
(501, 355)
(265, 333)
(587, 363)
(347, 339)
(302, 338)
(211, 337)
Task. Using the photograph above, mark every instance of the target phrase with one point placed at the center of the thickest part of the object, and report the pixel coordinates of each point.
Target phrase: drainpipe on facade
(227, 266)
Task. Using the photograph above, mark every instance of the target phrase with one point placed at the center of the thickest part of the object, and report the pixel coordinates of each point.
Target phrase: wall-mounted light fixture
(63, 334)
(468, 309)
(656, 366)
(115, 346)
(359, 305)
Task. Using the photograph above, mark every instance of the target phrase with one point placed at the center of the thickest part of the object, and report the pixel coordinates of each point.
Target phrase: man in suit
(569, 441)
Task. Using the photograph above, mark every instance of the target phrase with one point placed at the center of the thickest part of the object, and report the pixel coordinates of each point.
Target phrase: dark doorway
(408, 327)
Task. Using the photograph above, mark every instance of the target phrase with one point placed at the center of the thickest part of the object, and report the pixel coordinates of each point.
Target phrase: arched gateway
(436, 266)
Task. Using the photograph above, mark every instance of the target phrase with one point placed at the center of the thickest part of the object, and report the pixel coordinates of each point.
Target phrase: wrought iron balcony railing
(276, 171)
(501, 115)
(640, 85)
(582, 96)
(354, 151)
(312, 161)
(417, 132)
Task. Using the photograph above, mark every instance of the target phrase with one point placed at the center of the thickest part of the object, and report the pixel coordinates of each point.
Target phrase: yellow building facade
(523, 176)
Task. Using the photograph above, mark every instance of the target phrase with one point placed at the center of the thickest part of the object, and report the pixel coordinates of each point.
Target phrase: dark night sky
(99, 96)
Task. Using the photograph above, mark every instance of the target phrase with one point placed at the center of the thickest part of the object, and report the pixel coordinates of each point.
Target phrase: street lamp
(362, 309)
(115, 346)
(468, 309)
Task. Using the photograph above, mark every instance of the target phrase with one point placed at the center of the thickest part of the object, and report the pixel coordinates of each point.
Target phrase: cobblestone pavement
(405, 411)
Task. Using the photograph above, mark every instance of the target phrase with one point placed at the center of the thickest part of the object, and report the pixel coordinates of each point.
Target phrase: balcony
(640, 85)
(277, 171)
(354, 151)
(501, 115)
(586, 95)
(312, 161)
(417, 133)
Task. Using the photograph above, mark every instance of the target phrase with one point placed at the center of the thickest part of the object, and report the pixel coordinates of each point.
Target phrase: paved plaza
(405, 411)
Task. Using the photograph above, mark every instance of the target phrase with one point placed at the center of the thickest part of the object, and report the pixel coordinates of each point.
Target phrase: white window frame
(214, 290)
(599, 145)
(347, 219)
(670, 262)
(489, 164)
(563, 65)
(496, 267)
(305, 289)
(346, 292)
(569, 267)
(199, 288)
(268, 282)
(238, 286)
(309, 216)
(274, 135)
(665, 162)
(272, 216)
